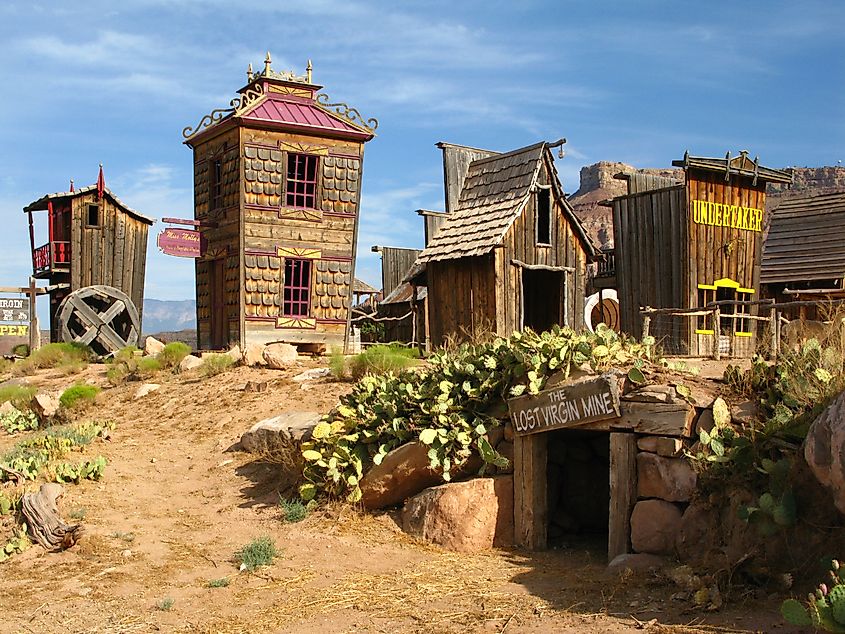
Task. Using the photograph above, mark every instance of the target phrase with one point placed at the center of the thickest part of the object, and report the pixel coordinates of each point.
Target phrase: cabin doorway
(542, 293)
(578, 489)
(219, 320)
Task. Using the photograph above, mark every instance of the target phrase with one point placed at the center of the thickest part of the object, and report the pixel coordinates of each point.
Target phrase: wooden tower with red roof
(277, 186)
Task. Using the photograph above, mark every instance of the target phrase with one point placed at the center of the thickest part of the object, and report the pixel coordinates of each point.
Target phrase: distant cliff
(597, 184)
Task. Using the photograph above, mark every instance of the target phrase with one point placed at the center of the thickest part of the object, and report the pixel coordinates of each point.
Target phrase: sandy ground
(178, 500)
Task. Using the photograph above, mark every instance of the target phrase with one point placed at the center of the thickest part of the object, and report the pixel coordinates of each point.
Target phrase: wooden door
(219, 319)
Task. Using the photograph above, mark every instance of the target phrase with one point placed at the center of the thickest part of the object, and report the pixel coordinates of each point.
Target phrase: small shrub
(222, 582)
(78, 396)
(259, 552)
(293, 510)
(17, 420)
(19, 395)
(126, 537)
(147, 367)
(53, 354)
(165, 604)
(78, 513)
(172, 354)
(117, 374)
(383, 359)
(125, 355)
(21, 350)
(5, 365)
(337, 363)
(214, 364)
(69, 366)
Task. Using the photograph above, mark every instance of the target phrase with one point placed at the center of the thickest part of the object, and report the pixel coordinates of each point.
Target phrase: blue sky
(639, 82)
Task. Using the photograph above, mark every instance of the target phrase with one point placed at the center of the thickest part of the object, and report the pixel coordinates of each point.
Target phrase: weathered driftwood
(44, 522)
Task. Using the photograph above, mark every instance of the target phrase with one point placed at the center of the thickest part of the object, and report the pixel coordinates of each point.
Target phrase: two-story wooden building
(510, 252)
(93, 238)
(277, 190)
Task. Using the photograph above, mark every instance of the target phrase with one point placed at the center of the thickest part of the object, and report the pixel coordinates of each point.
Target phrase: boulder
(44, 406)
(253, 354)
(310, 375)
(145, 389)
(152, 346)
(654, 527)
(654, 394)
(281, 434)
(745, 413)
(705, 421)
(280, 355)
(823, 450)
(635, 562)
(190, 362)
(670, 479)
(404, 472)
(661, 445)
(469, 516)
(236, 354)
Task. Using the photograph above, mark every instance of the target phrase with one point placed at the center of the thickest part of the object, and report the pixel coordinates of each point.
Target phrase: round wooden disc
(101, 317)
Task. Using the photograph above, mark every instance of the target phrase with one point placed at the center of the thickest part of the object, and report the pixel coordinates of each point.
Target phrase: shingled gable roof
(494, 194)
(805, 240)
(41, 203)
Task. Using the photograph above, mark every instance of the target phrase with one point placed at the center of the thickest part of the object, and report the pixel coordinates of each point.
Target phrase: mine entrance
(578, 489)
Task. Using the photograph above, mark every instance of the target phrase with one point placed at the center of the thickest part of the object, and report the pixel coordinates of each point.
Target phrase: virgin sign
(183, 243)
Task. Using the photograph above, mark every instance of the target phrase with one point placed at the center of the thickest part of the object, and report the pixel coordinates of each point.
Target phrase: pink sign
(183, 243)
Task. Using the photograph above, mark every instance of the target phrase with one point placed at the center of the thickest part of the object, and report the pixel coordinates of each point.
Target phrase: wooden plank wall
(114, 253)
(395, 264)
(650, 238)
(456, 161)
(724, 252)
(520, 244)
(465, 297)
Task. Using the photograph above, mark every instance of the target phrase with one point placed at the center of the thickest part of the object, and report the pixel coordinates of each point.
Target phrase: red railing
(45, 259)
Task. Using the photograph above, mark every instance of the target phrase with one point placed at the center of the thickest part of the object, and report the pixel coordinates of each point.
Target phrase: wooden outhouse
(92, 239)
(510, 253)
(277, 185)
(804, 252)
(687, 245)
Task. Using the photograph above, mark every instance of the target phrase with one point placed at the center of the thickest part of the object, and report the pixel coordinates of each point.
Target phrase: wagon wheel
(101, 317)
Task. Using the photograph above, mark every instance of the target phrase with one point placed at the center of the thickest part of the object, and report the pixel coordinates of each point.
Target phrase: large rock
(670, 479)
(44, 406)
(152, 346)
(145, 389)
(404, 472)
(236, 354)
(654, 527)
(463, 516)
(281, 434)
(824, 450)
(253, 354)
(280, 355)
(661, 445)
(190, 362)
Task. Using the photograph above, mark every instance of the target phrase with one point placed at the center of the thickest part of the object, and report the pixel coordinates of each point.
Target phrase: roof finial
(71, 184)
(308, 70)
(249, 72)
(101, 183)
(267, 61)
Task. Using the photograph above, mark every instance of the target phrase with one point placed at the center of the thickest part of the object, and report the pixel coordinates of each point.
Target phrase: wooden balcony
(606, 273)
(53, 257)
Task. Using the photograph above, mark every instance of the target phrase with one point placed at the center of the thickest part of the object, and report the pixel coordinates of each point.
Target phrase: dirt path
(177, 502)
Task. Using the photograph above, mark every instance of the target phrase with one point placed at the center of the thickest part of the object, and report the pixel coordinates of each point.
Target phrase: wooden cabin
(92, 238)
(403, 305)
(804, 252)
(511, 254)
(686, 245)
(277, 187)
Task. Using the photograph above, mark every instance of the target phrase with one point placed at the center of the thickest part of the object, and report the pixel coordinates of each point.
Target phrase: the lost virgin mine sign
(565, 406)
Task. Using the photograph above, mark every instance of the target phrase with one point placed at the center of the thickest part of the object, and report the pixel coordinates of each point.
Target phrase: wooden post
(530, 481)
(717, 333)
(623, 492)
(34, 334)
(647, 329)
(773, 326)
(413, 315)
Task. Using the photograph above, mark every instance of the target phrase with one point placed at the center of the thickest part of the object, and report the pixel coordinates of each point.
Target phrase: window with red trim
(296, 297)
(301, 183)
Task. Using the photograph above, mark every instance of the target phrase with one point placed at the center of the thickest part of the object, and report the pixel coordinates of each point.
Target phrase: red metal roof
(302, 114)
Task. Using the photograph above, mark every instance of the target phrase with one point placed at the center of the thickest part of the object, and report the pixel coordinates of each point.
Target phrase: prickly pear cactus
(825, 608)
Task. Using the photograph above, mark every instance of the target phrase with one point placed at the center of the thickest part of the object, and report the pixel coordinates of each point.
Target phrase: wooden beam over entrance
(530, 483)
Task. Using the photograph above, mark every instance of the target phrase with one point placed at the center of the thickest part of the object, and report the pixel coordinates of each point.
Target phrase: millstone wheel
(101, 317)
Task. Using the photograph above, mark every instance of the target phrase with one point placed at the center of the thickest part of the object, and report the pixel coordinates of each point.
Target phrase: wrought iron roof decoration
(255, 91)
(350, 114)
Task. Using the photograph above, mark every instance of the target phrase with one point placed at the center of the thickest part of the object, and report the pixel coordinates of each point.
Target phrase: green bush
(172, 354)
(52, 355)
(147, 367)
(293, 510)
(259, 552)
(117, 374)
(19, 395)
(214, 364)
(382, 359)
(337, 363)
(222, 582)
(78, 396)
(447, 405)
(16, 421)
